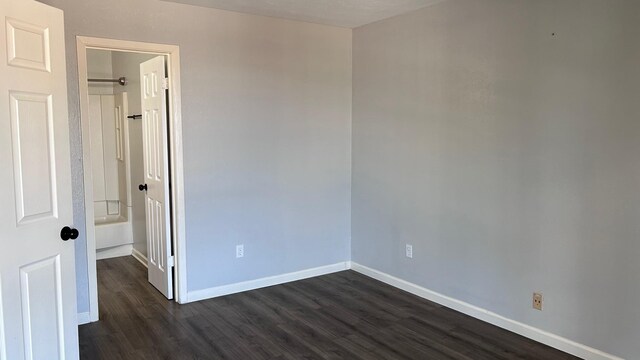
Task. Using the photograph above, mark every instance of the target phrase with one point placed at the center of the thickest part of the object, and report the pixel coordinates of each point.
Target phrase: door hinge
(165, 84)
(171, 261)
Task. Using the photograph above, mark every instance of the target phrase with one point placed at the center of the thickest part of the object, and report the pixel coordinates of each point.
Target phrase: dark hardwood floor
(340, 316)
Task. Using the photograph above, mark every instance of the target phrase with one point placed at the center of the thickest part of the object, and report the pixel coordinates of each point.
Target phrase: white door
(156, 174)
(37, 276)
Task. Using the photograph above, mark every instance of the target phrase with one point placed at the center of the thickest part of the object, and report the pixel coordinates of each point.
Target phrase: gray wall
(266, 106)
(508, 157)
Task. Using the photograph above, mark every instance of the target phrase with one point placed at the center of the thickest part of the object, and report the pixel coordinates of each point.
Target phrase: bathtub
(113, 230)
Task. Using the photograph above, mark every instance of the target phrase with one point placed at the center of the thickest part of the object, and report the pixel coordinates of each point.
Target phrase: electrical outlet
(239, 251)
(409, 251)
(537, 301)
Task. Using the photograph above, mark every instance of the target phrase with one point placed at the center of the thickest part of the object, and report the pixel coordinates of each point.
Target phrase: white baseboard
(264, 282)
(525, 330)
(138, 256)
(116, 251)
(84, 318)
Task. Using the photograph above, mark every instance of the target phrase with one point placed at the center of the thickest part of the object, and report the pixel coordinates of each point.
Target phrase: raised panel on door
(158, 145)
(160, 234)
(151, 232)
(148, 140)
(27, 45)
(156, 233)
(42, 320)
(33, 160)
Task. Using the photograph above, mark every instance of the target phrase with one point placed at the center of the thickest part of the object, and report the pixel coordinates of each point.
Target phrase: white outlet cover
(239, 251)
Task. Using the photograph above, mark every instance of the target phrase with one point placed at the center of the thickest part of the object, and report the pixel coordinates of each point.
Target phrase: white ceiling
(345, 13)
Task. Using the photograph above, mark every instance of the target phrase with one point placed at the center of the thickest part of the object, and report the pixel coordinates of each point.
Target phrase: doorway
(122, 187)
(117, 153)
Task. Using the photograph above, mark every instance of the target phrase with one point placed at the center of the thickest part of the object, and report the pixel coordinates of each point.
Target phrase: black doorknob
(68, 233)
(142, 187)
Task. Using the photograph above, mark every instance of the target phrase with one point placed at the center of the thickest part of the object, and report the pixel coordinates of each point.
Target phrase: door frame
(172, 52)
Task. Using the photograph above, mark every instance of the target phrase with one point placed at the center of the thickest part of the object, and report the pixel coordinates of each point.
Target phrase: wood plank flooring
(344, 315)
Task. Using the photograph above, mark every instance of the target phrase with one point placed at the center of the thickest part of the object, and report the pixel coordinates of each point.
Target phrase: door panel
(28, 45)
(33, 161)
(37, 276)
(155, 148)
(42, 320)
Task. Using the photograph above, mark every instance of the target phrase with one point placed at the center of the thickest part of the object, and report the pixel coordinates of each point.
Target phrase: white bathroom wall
(103, 153)
(103, 137)
(97, 154)
(111, 175)
(127, 64)
(99, 66)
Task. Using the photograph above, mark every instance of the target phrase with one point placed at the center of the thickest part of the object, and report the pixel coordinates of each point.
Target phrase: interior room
(352, 179)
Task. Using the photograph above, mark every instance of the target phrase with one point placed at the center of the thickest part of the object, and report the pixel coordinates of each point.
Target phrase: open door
(37, 276)
(156, 174)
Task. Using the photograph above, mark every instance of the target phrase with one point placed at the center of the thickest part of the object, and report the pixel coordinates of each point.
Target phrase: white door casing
(37, 275)
(156, 174)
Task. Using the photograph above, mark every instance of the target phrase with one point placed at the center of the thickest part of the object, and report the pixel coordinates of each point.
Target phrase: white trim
(84, 318)
(264, 282)
(517, 327)
(175, 157)
(138, 256)
(115, 251)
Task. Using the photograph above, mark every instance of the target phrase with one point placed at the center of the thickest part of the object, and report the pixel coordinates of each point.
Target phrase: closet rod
(122, 81)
